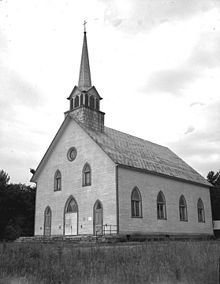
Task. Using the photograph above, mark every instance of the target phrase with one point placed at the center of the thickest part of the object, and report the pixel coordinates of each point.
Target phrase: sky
(156, 64)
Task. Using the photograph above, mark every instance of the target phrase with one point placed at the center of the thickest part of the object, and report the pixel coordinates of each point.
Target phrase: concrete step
(68, 239)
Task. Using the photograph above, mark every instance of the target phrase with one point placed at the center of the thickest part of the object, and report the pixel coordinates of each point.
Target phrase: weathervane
(84, 26)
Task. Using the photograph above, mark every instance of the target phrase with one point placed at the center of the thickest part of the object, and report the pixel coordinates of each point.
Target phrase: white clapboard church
(96, 180)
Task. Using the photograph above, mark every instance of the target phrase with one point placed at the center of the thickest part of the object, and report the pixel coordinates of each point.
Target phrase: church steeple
(84, 72)
(84, 98)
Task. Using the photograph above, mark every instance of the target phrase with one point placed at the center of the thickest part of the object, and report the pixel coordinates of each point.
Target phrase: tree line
(17, 206)
(214, 179)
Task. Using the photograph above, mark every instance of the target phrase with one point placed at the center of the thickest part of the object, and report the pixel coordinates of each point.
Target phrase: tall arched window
(86, 100)
(76, 103)
(183, 209)
(47, 221)
(201, 212)
(92, 102)
(57, 181)
(136, 204)
(86, 175)
(161, 206)
(81, 99)
(72, 206)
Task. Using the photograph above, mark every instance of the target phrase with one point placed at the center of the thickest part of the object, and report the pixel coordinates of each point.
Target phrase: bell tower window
(92, 102)
(86, 100)
(76, 101)
(81, 99)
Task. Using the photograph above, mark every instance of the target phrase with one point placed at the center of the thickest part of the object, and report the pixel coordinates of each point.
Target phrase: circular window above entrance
(71, 154)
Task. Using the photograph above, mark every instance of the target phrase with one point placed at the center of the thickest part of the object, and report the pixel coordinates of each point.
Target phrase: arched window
(47, 221)
(57, 181)
(92, 102)
(136, 204)
(161, 206)
(201, 212)
(86, 100)
(81, 99)
(86, 175)
(71, 104)
(76, 104)
(71, 206)
(183, 208)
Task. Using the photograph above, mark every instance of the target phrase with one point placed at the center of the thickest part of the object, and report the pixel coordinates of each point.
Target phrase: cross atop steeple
(84, 26)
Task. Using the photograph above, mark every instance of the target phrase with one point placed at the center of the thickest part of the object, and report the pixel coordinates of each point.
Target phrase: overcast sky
(156, 63)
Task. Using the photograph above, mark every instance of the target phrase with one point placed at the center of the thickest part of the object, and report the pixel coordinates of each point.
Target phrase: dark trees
(17, 207)
(214, 179)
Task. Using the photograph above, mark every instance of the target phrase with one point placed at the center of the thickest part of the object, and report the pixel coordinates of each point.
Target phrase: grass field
(150, 262)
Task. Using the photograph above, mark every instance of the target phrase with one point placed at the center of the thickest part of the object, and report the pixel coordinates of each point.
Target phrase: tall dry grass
(150, 262)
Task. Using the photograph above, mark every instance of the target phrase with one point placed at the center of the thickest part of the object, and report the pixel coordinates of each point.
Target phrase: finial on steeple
(84, 24)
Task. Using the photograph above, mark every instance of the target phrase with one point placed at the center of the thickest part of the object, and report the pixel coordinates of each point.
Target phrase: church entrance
(71, 217)
(97, 218)
(47, 221)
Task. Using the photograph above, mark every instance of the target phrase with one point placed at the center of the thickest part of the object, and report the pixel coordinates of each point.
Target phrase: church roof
(136, 153)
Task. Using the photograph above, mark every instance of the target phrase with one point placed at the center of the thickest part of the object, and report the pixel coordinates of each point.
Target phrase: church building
(97, 180)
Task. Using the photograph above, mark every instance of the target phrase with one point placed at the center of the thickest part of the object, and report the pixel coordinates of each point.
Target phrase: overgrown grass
(150, 262)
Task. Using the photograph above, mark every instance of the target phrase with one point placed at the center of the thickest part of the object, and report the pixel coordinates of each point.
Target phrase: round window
(71, 154)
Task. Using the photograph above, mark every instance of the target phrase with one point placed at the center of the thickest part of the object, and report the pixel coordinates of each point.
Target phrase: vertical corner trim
(117, 198)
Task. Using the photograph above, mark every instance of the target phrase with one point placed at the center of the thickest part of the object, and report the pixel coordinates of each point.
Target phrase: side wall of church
(149, 186)
(103, 185)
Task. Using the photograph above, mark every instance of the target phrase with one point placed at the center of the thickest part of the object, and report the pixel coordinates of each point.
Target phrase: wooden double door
(71, 217)
(71, 223)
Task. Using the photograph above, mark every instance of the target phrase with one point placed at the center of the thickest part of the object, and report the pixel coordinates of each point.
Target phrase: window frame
(161, 204)
(57, 181)
(86, 174)
(200, 211)
(136, 204)
(183, 209)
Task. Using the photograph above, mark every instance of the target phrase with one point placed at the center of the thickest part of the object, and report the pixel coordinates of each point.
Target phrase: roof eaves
(33, 178)
(207, 184)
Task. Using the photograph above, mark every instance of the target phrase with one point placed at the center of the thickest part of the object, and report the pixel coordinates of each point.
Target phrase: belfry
(84, 98)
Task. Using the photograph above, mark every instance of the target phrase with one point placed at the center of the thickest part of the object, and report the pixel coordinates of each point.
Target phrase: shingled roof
(130, 151)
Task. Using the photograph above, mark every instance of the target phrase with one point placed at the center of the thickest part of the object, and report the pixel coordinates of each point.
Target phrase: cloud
(197, 104)
(172, 81)
(3, 43)
(206, 52)
(16, 91)
(201, 149)
(138, 15)
(203, 57)
(190, 129)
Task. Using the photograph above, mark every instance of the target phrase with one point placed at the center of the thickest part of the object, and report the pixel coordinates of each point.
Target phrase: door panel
(71, 223)
(47, 225)
(98, 221)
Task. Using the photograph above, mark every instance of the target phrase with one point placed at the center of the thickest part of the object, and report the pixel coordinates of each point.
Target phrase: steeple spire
(84, 98)
(84, 73)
